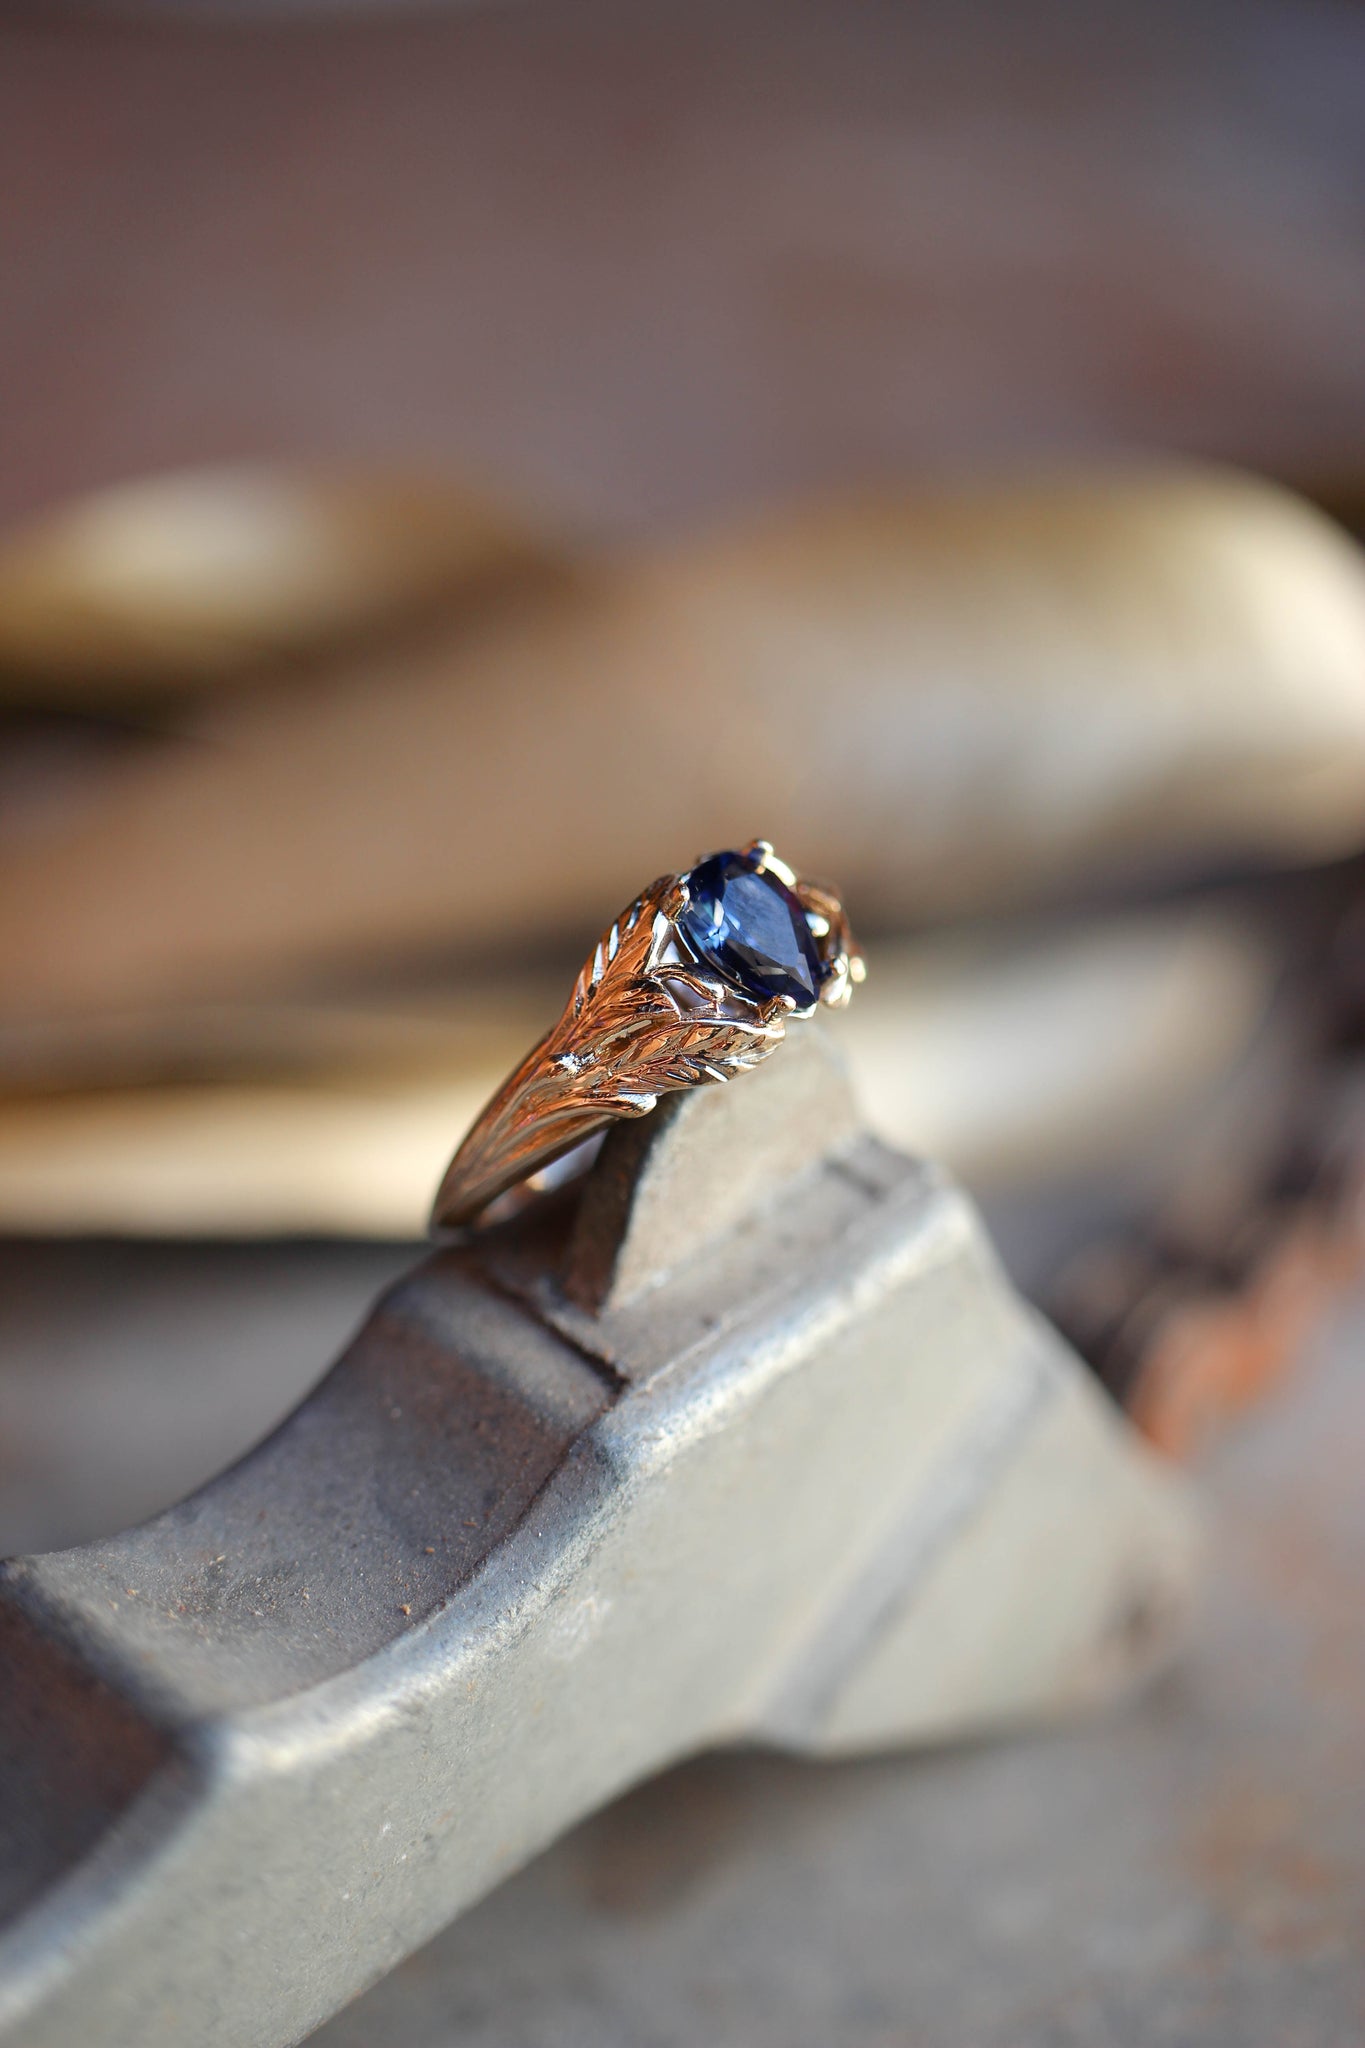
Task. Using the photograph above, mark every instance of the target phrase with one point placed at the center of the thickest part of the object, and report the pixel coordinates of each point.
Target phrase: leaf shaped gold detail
(642, 1020)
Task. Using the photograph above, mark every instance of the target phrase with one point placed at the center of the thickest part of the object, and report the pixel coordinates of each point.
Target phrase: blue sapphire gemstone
(751, 929)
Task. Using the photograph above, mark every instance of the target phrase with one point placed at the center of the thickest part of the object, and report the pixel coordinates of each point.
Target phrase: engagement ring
(693, 983)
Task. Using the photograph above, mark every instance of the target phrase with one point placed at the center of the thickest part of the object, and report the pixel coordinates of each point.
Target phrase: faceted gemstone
(750, 927)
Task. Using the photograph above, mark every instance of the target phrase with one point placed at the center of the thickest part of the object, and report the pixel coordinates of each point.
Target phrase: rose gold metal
(644, 1018)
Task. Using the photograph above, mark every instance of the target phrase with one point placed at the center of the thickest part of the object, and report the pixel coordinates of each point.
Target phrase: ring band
(693, 983)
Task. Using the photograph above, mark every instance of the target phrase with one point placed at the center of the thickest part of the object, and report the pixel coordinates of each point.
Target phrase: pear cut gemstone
(751, 929)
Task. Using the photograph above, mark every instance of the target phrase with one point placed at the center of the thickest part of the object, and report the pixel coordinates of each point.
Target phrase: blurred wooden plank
(947, 701)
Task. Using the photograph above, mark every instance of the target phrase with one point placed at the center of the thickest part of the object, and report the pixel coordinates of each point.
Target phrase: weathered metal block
(744, 1439)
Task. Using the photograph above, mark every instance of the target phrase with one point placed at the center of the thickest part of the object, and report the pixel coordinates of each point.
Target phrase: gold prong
(674, 899)
(772, 865)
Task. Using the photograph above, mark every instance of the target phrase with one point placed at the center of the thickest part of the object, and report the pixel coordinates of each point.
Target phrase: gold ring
(693, 983)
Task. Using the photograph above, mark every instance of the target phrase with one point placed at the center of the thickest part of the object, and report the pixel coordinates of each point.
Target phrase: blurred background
(457, 462)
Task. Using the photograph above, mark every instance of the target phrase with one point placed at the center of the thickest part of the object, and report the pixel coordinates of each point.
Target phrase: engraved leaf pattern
(642, 1020)
(635, 1027)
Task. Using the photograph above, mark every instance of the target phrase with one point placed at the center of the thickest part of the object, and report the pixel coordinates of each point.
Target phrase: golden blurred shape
(953, 701)
(171, 582)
